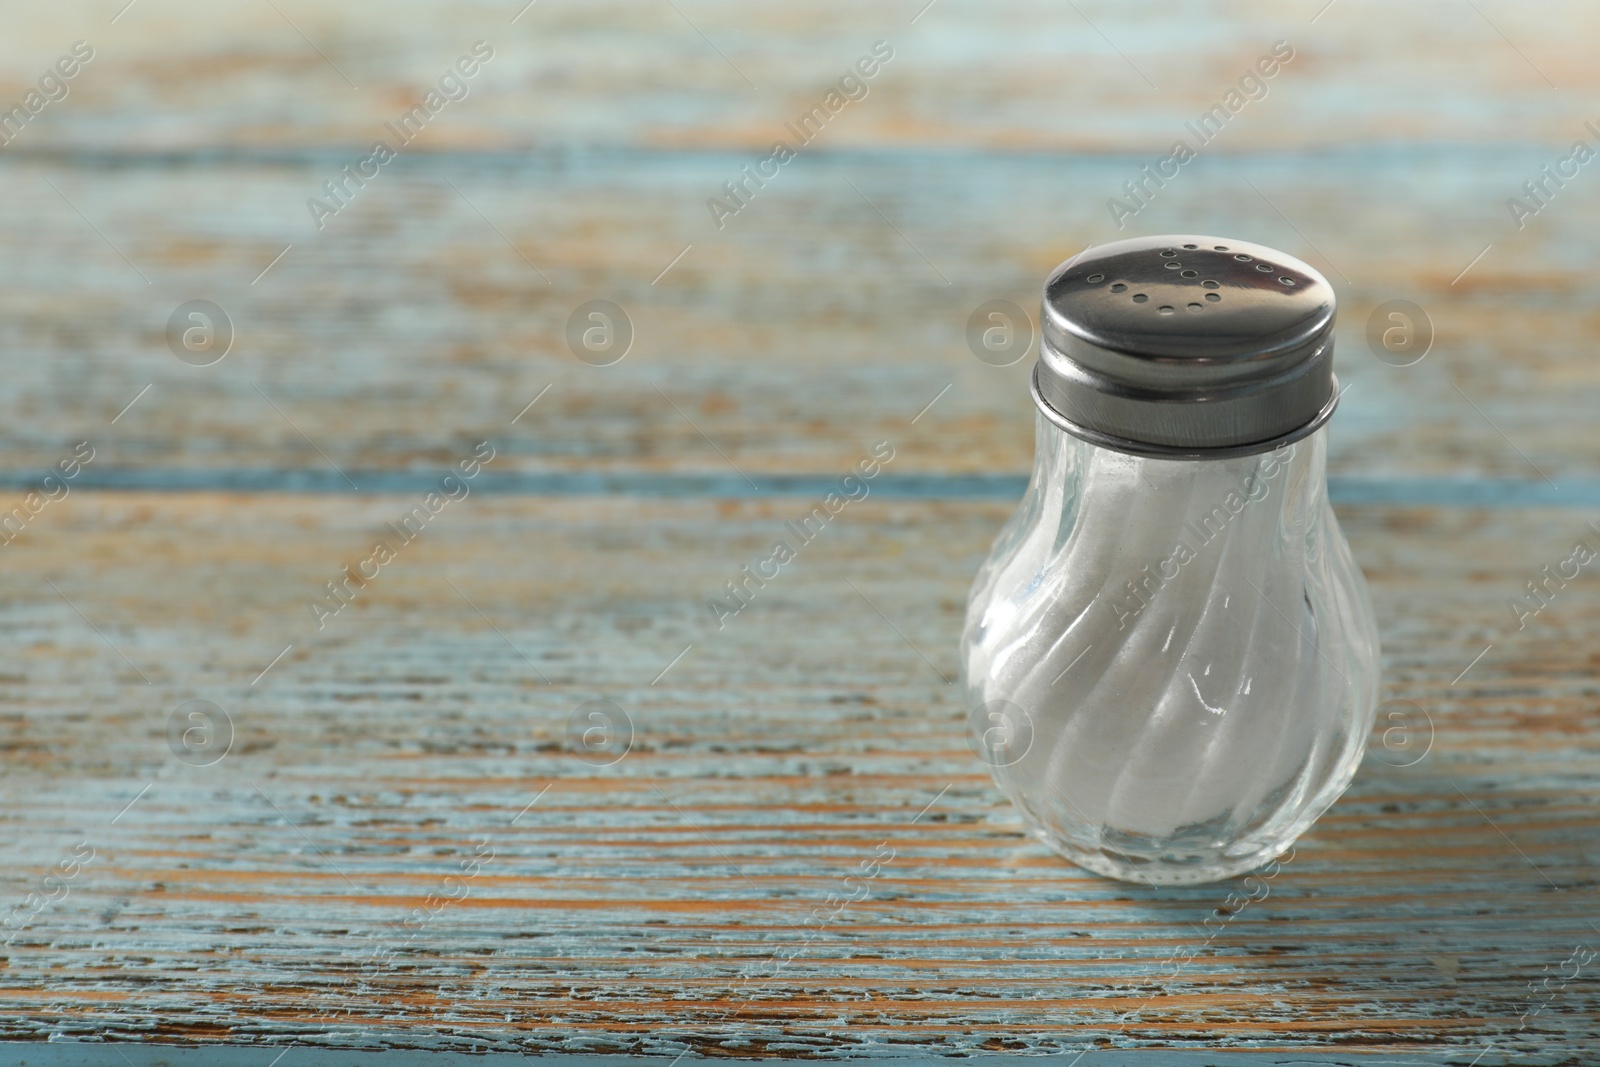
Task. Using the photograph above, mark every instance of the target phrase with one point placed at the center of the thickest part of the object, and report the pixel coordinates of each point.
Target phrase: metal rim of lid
(1195, 386)
(1151, 451)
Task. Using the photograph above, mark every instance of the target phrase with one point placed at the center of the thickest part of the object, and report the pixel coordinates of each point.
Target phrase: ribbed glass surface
(1172, 665)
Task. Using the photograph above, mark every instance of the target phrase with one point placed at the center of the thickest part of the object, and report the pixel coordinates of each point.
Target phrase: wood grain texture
(408, 329)
(434, 307)
(715, 74)
(658, 904)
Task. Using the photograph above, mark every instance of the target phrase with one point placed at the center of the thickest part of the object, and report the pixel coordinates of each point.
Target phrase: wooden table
(381, 829)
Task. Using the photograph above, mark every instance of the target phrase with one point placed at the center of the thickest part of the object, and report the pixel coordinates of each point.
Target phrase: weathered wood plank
(658, 904)
(408, 329)
(717, 74)
(193, 141)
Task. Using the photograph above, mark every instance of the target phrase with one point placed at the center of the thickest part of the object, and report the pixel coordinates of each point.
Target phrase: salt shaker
(1170, 657)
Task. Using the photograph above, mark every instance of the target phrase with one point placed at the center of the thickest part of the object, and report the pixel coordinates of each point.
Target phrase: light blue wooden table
(387, 832)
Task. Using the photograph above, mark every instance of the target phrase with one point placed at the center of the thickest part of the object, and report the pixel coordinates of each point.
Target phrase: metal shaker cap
(1186, 347)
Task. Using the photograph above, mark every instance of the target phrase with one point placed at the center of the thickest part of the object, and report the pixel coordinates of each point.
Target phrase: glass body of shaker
(1172, 664)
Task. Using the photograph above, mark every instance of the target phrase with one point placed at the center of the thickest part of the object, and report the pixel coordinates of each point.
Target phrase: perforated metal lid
(1186, 347)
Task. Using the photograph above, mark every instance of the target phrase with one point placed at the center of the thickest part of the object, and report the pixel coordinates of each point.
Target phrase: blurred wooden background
(656, 905)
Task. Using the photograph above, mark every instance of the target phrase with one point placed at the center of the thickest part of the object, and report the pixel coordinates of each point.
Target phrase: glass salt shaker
(1170, 657)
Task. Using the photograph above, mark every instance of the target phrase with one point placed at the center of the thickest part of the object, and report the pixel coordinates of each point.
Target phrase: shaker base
(1158, 865)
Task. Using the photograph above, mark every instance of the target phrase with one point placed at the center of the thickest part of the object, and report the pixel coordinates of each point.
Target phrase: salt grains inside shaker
(1170, 658)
